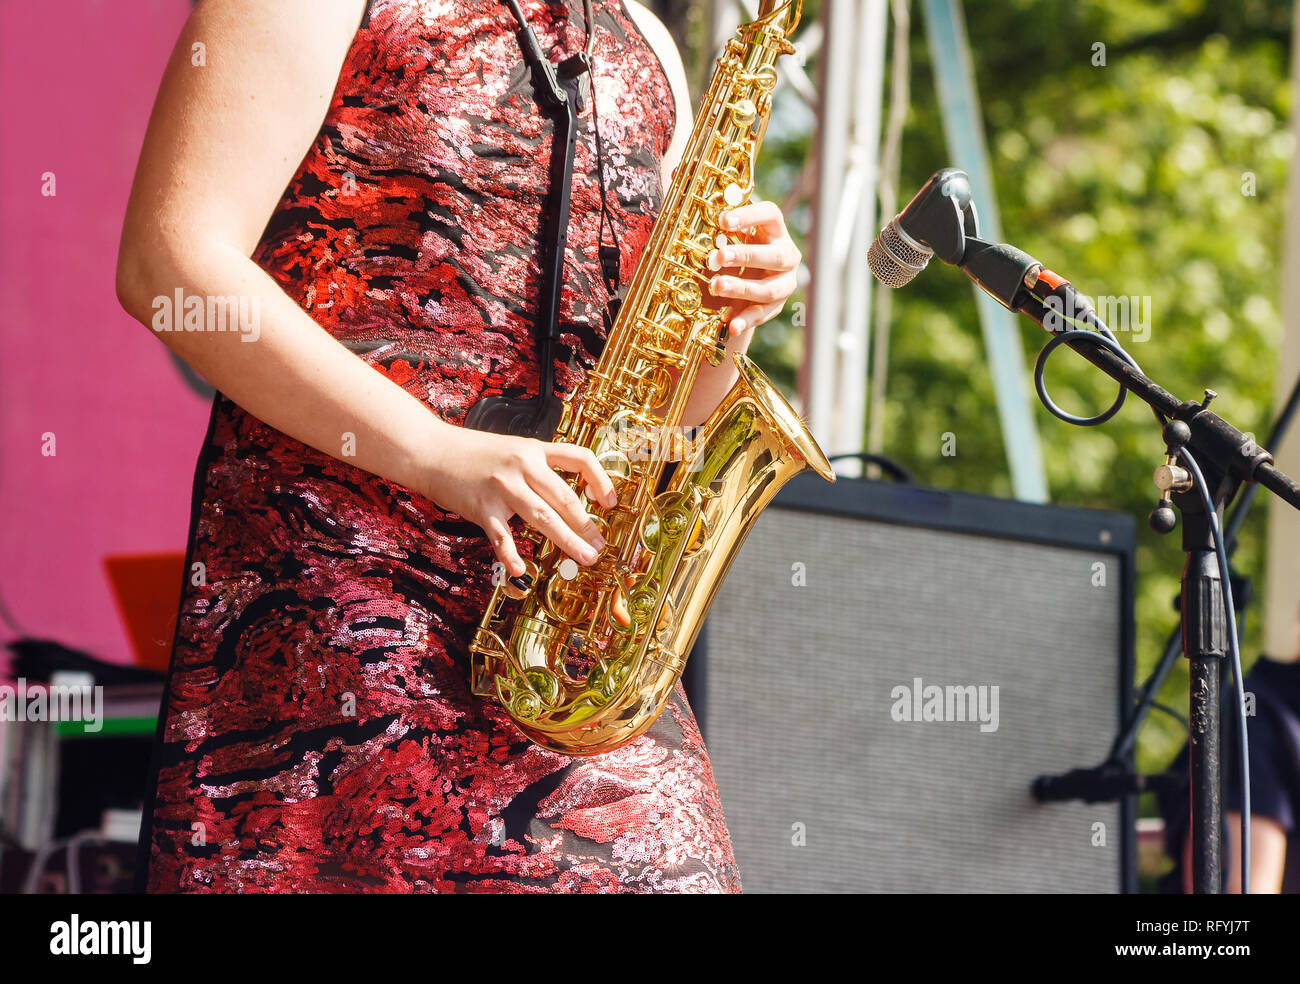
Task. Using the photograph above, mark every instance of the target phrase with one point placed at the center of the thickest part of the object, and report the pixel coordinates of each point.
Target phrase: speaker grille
(800, 687)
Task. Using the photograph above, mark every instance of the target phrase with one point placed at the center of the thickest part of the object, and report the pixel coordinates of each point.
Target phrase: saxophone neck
(781, 14)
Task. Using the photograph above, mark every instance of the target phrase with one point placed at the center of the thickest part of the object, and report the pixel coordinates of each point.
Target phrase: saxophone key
(687, 296)
(685, 269)
(744, 112)
(764, 78)
(520, 587)
(568, 602)
(615, 464)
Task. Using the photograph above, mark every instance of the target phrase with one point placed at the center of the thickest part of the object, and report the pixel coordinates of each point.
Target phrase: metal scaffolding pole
(834, 374)
(864, 175)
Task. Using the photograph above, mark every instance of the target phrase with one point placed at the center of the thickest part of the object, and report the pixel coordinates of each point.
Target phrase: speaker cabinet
(886, 670)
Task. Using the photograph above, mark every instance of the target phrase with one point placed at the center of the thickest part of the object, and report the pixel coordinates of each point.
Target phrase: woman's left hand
(754, 277)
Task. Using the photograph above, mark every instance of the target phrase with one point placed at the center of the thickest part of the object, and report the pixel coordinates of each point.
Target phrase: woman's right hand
(488, 478)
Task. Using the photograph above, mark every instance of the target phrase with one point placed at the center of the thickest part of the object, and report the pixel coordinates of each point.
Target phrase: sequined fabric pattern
(318, 731)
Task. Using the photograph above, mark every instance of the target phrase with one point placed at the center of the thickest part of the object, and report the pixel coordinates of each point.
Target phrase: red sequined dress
(318, 733)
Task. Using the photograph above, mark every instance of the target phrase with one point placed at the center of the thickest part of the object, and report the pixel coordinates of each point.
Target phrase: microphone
(937, 219)
(941, 221)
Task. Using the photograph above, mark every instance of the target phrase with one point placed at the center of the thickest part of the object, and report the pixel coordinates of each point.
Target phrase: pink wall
(78, 78)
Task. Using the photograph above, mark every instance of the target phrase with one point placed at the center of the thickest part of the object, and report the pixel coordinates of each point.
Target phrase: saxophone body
(572, 677)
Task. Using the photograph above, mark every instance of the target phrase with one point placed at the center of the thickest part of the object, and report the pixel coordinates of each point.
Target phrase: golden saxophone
(572, 677)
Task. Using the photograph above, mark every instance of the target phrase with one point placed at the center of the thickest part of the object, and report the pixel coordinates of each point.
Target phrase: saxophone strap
(562, 89)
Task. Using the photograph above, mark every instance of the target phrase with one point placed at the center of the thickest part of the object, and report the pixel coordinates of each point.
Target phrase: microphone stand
(1173, 644)
(1114, 779)
(1227, 458)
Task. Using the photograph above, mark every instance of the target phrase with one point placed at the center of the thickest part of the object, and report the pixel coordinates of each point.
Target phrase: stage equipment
(1019, 615)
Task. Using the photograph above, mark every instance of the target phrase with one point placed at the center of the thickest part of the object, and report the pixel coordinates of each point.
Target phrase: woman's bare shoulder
(661, 42)
(244, 93)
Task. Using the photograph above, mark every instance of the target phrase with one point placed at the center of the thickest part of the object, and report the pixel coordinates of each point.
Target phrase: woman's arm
(1267, 854)
(223, 141)
(755, 278)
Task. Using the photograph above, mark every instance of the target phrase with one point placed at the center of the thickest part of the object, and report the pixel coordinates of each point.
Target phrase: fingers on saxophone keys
(503, 545)
(759, 256)
(764, 290)
(534, 511)
(560, 497)
(764, 215)
(754, 315)
(573, 458)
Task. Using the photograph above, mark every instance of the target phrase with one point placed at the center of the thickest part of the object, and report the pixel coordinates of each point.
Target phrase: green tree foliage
(1157, 173)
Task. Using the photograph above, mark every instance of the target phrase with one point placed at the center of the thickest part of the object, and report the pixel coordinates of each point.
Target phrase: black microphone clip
(578, 67)
(942, 215)
(999, 269)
